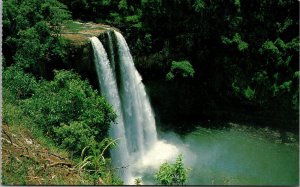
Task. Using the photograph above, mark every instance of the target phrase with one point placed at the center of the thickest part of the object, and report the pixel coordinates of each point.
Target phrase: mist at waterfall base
(235, 155)
(224, 156)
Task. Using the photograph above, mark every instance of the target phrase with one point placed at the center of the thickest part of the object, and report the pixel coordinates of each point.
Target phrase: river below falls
(232, 155)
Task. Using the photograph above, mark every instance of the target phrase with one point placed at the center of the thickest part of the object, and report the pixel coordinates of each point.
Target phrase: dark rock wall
(80, 58)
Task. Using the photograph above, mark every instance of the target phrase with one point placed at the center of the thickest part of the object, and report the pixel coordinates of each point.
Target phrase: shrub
(66, 105)
(182, 69)
(172, 174)
(17, 84)
(32, 33)
(74, 136)
(99, 168)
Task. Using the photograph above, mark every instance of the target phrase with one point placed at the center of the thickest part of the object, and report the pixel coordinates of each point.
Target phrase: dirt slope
(27, 162)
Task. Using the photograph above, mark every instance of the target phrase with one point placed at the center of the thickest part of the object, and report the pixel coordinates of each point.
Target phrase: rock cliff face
(80, 52)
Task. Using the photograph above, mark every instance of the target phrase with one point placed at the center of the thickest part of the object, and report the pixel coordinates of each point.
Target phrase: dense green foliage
(66, 112)
(172, 174)
(69, 109)
(244, 53)
(180, 69)
(66, 108)
(18, 84)
(31, 31)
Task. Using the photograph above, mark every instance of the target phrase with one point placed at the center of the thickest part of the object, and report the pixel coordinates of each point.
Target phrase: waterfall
(109, 89)
(138, 146)
(138, 115)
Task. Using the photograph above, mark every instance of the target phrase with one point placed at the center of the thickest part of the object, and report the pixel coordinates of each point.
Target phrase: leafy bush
(249, 93)
(70, 111)
(138, 181)
(182, 69)
(172, 174)
(31, 33)
(241, 45)
(17, 84)
(75, 136)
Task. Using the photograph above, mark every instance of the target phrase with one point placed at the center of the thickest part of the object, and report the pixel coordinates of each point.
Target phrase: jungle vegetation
(226, 60)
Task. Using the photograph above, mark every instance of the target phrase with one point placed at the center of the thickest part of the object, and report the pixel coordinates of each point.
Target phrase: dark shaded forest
(244, 55)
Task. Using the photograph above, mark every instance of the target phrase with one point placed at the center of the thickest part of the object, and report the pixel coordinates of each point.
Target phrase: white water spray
(139, 118)
(139, 147)
(109, 89)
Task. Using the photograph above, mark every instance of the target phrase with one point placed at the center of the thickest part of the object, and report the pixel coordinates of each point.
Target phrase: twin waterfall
(135, 126)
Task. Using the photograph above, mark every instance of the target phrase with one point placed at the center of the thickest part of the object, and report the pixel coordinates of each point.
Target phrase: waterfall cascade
(109, 88)
(138, 114)
(138, 145)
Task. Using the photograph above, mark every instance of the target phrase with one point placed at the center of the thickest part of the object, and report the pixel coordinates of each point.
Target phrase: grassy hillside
(32, 160)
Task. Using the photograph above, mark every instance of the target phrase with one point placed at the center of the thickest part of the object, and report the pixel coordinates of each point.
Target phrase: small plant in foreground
(94, 162)
(138, 181)
(172, 174)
